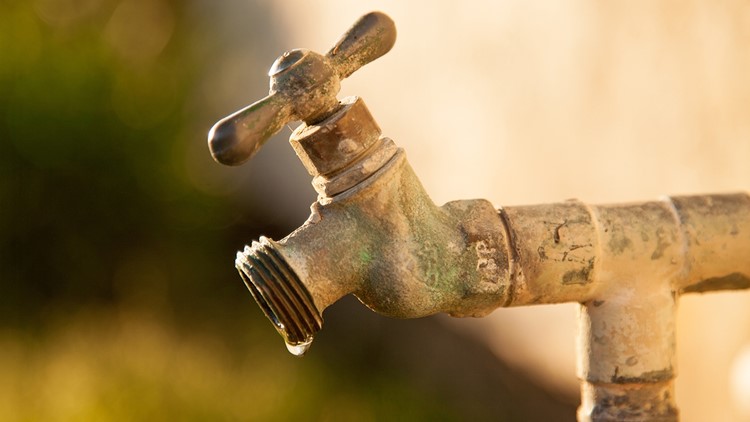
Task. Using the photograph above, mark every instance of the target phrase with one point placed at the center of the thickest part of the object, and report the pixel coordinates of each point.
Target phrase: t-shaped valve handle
(304, 85)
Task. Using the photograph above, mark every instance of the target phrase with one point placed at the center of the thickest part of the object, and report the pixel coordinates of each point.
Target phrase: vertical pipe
(627, 329)
(627, 359)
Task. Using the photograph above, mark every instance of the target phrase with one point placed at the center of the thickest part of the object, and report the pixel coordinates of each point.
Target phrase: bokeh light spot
(65, 13)
(140, 29)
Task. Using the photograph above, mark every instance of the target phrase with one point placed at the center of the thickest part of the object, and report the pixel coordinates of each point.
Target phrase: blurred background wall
(119, 299)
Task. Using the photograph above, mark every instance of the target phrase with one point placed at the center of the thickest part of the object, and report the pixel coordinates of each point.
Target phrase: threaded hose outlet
(280, 294)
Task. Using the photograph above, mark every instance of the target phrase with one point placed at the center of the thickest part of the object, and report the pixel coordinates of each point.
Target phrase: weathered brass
(304, 85)
(375, 232)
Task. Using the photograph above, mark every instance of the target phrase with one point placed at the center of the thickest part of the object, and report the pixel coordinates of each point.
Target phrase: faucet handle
(373, 35)
(303, 87)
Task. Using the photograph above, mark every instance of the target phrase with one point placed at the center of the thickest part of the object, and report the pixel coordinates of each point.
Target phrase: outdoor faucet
(375, 233)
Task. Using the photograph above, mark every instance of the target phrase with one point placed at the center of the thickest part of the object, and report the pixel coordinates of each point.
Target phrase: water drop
(299, 349)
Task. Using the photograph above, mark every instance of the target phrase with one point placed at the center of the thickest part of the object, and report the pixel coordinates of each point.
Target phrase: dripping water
(299, 349)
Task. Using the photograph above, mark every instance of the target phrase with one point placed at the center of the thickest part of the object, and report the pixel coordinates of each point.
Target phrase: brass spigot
(375, 232)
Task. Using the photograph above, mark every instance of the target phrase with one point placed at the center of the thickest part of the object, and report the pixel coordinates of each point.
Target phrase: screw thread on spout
(280, 294)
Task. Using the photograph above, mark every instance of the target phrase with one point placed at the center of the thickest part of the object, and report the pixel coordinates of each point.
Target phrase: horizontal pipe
(560, 251)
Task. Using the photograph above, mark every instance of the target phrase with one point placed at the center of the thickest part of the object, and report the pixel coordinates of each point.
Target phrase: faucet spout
(383, 240)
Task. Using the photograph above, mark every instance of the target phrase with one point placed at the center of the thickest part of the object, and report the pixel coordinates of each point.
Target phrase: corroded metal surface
(375, 232)
(384, 240)
(629, 264)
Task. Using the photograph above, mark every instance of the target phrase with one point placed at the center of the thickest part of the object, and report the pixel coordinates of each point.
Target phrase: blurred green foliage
(99, 366)
(93, 187)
